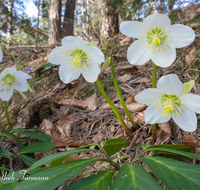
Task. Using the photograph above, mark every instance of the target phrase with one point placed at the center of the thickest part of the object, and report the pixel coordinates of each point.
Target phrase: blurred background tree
(46, 22)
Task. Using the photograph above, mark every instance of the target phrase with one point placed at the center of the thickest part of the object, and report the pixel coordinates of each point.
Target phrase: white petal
(10, 70)
(96, 55)
(22, 75)
(137, 54)
(68, 40)
(148, 96)
(67, 75)
(57, 55)
(1, 54)
(21, 85)
(6, 94)
(80, 44)
(157, 19)
(181, 35)
(132, 29)
(192, 102)
(152, 116)
(170, 84)
(165, 58)
(91, 74)
(187, 120)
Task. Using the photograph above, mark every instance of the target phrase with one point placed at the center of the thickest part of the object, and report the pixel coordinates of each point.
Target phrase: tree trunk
(9, 24)
(110, 20)
(54, 22)
(68, 24)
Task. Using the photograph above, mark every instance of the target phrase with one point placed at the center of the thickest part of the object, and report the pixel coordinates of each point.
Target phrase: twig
(132, 142)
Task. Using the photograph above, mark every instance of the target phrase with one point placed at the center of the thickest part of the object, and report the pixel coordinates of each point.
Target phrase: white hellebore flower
(167, 101)
(157, 39)
(75, 57)
(11, 79)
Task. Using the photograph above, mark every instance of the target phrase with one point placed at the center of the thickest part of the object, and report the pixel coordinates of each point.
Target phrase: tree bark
(110, 20)
(54, 22)
(9, 24)
(68, 24)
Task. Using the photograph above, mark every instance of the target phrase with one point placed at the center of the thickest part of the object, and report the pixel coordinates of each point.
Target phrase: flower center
(77, 59)
(170, 105)
(156, 39)
(8, 80)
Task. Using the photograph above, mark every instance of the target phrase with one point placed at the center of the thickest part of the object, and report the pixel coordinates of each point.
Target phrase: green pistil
(8, 80)
(79, 58)
(170, 104)
(156, 39)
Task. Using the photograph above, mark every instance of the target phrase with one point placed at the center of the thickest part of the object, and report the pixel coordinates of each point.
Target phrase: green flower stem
(18, 65)
(7, 116)
(115, 110)
(154, 86)
(119, 93)
(22, 94)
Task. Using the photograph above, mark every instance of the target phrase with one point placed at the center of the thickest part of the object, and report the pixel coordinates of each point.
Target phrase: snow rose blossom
(169, 101)
(11, 79)
(76, 57)
(157, 39)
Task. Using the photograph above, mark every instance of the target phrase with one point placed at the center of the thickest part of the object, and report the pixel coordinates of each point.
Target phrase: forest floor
(76, 114)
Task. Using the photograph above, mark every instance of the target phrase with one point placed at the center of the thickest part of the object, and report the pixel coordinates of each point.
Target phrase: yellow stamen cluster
(77, 59)
(8, 80)
(170, 105)
(156, 39)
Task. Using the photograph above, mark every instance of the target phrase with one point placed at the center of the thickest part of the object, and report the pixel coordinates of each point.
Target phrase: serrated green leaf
(23, 130)
(37, 147)
(47, 65)
(56, 175)
(113, 146)
(38, 136)
(53, 157)
(94, 43)
(175, 147)
(14, 137)
(98, 181)
(174, 153)
(2, 168)
(174, 174)
(5, 153)
(187, 87)
(27, 159)
(133, 176)
(106, 64)
(8, 186)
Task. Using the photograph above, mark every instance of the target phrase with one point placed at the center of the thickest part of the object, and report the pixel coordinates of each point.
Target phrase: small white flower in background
(1, 54)
(11, 79)
(157, 39)
(168, 101)
(75, 57)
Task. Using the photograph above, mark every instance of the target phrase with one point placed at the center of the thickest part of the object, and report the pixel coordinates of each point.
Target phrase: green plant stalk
(154, 86)
(119, 93)
(21, 93)
(7, 116)
(18, 65)
(115, 110)
(103, 165)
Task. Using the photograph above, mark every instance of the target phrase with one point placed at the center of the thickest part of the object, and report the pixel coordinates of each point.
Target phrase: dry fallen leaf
(64, 125)
(107, 107)
(126, 40)
(40, 155)
(189, 58)
(191, 141)
(140, 117)
(48, 127)
(142, 80)
(126, 77)
(130, 99)
(63, 141)
(125, 68)
(90, 102)
(98, 138)
(136, 106)
(71, 158)
(163, 132)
